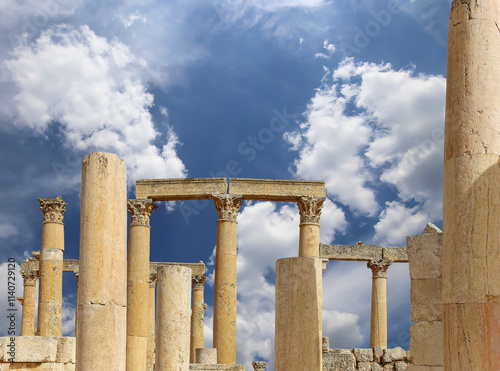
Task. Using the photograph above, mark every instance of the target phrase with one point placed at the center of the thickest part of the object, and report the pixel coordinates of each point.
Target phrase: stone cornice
(53, 209)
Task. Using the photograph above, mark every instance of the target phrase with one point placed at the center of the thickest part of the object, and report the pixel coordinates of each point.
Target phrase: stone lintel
(179, 189)
(351, 252)
(198, 269)
(276, 190)
(396, 254)
(205, 367)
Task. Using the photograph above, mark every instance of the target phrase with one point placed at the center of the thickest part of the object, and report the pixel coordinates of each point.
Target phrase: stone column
(51, 267)
(77, 277)
(172, 318)
(138, 283)
(378, 328)
(471, 199)
(29, 301)
(102, 310)
(150, 358)
(298, 333)
(197, 314)
(225, 278)
(310, 212)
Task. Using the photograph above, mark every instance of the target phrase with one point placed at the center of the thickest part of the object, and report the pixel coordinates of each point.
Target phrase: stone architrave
(172, 318)
(150, 359)
(51, 267)
(471, 198)
(298, 334)
(197, 314)
(378, 328)
(102, 310)
(29, 301)
(138, 283)
(310, 213)
(224, 337)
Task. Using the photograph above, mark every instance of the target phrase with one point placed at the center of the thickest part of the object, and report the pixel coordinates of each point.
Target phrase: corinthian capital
(199, 282)
(29, 277)
(227, 206)
(310, 209)
(140, 211)
(379, 267)
(53, 209)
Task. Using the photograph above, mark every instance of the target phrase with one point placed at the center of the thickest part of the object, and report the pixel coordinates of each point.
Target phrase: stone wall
(426, 334)
(376, 359)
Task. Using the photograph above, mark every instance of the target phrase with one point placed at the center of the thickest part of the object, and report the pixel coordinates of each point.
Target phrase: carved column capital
(140, 211)
(310, 209)
(53, 209)
(29, 277)
(379, 267)
(259, 365)
(227, 206)
(199, 282)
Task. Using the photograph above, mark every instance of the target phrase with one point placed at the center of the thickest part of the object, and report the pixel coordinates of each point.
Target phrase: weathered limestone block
(426, 343)
(197, 367)
(400, 366)
(179, 189)
(29, 349)
(424, 253)
(198, 269)
(394, 354)
(339, 360)
(388, 367)
(259, 365)
(206, 356)
(364, 366)
(377, 367)
(43, 366)
(358, 252)
(276, 190)
(66, 350)
(396, 254)
(363, 355)
(325, 344)
(426, 302)
(424, 368)
(378, 353)
(298, 330)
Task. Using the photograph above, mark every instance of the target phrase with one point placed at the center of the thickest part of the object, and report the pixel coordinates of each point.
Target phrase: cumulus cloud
(369, 124)
(93, 88)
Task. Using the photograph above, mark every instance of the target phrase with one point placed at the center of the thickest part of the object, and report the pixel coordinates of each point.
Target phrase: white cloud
(93, 88)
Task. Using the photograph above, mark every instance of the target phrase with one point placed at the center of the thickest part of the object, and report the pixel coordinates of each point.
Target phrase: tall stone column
(225, 278)
(471, 199)
(310, 212)
(29, 301)
(150, 358)
(102, 310)
(378, 328)
(138, 283)
(197, 314)
(51, 267)
(77, 277)
(172, 318)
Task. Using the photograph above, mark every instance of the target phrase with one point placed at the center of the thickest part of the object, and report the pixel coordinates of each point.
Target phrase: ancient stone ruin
(455, 280)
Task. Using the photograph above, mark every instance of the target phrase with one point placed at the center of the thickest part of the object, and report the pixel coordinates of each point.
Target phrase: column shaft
(225, 279)
(471, 199)
(28, 316)
(378, 328)
(102, 311)
(150, 360)
(51, 267)
(172, 318)
(197, 314)
(138, 284)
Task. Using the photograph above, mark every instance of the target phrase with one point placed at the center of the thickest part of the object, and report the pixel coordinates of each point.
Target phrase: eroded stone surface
(276, 190)
(180, 189)
(358, 252)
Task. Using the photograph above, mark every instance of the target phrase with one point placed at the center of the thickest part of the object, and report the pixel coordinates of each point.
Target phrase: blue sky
(349, 92)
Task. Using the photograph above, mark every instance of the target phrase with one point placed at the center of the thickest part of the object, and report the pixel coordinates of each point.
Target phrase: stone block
(363, 355)
(66, 350)
(364, 366)
(378, 352)
(29, 349)
(388, 367)
(377, 367)
(426, 302)
(350, 252)
(424, 368)
(400, 366)
(214, 367)
(198, 269)
(424, 255)
(325, 344)
(394, 354)
(276, 190)
(339, 360)
(396, 254)
(179, 189)
(426, 343)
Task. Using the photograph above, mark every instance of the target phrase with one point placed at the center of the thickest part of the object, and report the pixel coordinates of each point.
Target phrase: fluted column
(197, 314)
(150, 358)
(471, 198)
(102, 309)
(28, 316)
(225, 278)
(310, 213)
(378, 328)
(51, 267)
(138, 283)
